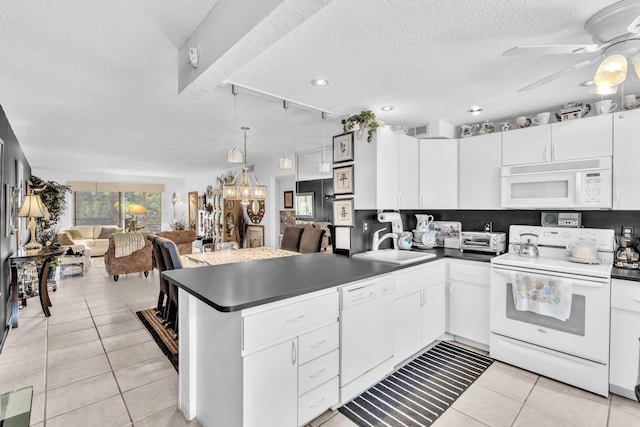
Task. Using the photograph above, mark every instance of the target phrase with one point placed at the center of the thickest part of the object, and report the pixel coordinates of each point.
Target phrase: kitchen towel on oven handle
(548, 296)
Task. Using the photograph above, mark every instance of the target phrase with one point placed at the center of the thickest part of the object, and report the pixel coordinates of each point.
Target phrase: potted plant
(53, 196)
(362, 120)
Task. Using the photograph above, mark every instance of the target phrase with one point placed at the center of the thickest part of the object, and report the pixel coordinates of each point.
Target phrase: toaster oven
(482, 241)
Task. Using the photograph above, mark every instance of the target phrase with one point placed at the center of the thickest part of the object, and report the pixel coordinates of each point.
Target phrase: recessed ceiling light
(319, 82)
(475, 110)
(587, 83)
(387, 107)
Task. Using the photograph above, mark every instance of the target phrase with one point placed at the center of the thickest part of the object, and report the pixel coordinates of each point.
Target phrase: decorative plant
(53, 195)
(178, 224)
(363, 120)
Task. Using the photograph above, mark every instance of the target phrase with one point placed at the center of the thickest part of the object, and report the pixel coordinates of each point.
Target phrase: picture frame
(343, 213)
(12, 196)
(288, 199)
(304, 205)
(343, 147)
(343, 180)
(255, 236)
(192, 197)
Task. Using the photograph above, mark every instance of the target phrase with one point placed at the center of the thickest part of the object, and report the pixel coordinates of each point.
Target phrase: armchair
(137, 262)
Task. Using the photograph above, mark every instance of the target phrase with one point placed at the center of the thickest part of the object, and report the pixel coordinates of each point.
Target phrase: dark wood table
(46, 255)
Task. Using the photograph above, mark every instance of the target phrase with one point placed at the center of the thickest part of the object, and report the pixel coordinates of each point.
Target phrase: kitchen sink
(394, 256)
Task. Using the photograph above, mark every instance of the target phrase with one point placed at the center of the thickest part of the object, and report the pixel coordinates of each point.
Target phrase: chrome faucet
(377, 239)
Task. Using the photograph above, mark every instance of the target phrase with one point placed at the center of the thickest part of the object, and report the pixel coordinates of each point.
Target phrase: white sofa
(95, 237)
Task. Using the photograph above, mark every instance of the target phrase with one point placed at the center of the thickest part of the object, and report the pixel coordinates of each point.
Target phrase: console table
(46, 255)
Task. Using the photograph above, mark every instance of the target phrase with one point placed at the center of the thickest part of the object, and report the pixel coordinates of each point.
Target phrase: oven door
(585, 333)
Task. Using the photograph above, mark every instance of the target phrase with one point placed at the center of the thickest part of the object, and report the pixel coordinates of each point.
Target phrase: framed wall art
(343, 215)
(343, 180)
(193, 209)
(288, 199)
(343, 148)
(255, 236)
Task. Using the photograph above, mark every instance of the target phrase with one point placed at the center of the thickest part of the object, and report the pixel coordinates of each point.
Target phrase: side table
(46, 255)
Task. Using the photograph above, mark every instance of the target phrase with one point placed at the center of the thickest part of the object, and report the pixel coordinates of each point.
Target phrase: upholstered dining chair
(163, 295)
(291, 238)
(172, 261)
(311, 240)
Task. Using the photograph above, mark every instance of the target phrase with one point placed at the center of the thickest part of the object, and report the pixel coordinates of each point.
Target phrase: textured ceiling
(98, 80)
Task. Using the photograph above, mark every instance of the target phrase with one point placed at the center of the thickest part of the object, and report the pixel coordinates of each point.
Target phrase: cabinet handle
(451, 289)
(553, 152)
(318, 403)
(295, 319)
(319, 344)
(421, 201)
(319, 373)
(294, 352)
(545, 154)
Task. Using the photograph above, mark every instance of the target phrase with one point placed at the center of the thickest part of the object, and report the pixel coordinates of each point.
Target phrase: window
(110, 208)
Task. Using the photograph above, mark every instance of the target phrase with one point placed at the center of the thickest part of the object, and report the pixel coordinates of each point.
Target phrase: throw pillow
(75, 234)
(64, 239)
(105, 233)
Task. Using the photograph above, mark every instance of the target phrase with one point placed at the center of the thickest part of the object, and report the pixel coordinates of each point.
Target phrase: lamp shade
(235, 156)
(612, 71)
(286, 163)
(32, 206)
(137, 209)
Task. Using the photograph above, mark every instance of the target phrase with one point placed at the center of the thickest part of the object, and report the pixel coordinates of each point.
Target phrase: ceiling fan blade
(634, 26)
(560, 73)
(558, 49)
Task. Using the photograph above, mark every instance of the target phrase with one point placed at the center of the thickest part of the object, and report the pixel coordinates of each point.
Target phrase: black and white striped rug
(418, 393)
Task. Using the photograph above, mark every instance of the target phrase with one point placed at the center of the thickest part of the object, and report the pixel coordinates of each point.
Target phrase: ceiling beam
(235, 32)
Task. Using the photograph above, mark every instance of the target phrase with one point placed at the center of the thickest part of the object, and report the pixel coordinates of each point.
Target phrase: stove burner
(627, 265)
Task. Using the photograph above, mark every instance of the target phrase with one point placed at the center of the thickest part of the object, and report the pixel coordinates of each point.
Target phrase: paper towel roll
(389, 216)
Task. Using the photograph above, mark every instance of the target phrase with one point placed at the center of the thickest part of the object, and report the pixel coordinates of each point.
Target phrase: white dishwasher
(366, 334)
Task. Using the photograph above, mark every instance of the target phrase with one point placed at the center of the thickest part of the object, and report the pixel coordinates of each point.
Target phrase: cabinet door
(528, 145)
(407, 326)
(270, 381)
(438, 174)
(480, 161)
(433, 313)
(582, 139)
(625, 350)
(626, 152)
(408, 172)
(469, 311)
(387, 172)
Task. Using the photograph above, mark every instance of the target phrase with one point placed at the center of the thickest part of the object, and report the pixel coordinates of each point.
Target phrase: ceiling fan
(615, 31)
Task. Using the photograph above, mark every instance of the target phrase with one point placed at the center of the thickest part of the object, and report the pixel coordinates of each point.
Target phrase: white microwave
(570, 184)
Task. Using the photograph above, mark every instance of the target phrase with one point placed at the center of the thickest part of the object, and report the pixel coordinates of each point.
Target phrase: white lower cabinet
(625, 337)
(295, 379)
(418, 308)
(469, 300)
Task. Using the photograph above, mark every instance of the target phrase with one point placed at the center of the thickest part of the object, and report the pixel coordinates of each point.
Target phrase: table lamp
(135, 210)
(32, 208)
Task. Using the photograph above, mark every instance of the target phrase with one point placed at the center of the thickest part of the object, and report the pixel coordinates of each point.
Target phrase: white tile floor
(93, 363)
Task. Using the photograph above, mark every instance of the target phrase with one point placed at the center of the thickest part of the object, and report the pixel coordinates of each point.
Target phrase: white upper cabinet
(479, 163)
(626, 152)
(573, 139)
(528, 145)
(583, 138)
(438, 174)
(386, 171)
(408, 172)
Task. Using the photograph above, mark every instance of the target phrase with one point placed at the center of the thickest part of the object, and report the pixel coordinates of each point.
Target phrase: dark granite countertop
(625, 274)
(233, 287)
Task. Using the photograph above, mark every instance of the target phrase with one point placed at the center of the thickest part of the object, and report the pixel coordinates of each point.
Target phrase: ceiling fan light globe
(612, 71)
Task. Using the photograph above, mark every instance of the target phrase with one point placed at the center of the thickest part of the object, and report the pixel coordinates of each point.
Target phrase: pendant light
(324, 166)
(235, 155)
(243, 189)
(285, 162)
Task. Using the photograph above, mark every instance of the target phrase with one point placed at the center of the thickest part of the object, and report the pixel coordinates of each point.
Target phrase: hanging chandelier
(242, 188)
(286, 162)
(235, 155)
(324, 166)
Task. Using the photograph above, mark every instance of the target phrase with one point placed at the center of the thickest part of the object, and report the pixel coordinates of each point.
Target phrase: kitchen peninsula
(247, 329)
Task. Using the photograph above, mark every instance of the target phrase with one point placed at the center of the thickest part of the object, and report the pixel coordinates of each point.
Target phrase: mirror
(310, 180)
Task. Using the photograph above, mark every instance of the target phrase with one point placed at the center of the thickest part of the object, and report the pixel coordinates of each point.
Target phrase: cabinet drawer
(464, 272)
(319, 371)
(625, 296)
(289, 320)
(317, 343)
(317, 401)
(415, 279)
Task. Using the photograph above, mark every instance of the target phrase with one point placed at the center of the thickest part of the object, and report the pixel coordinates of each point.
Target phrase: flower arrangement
(363, 119)
(178, 224)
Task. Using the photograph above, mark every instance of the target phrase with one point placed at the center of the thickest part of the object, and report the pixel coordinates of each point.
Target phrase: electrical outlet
(488, 226)
(365, 226)
(627, 230)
